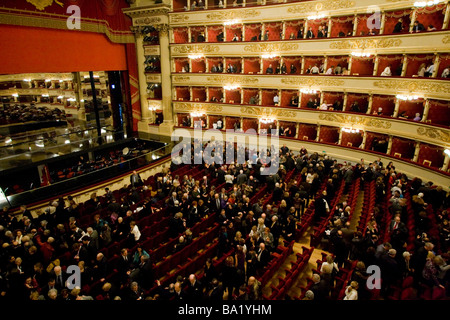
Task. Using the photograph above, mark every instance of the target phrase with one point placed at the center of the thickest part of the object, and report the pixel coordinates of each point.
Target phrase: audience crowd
(251, 230)
(15, 113)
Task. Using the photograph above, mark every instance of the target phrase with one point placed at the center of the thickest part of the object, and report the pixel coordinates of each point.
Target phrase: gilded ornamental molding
(146, 21)
(321, 6)
(271, 47)
(233, 14)
(180, 78)
(151, 50)
(178, 18)
(446, 39)
(197, 48)
(312, 82)
(268, 112)
(356, 120)
(414, 85)
(232, 80)
(197, 107)
(434, 133)
(366, 44)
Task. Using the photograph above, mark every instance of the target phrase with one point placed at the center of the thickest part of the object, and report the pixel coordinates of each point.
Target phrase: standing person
(135, 179)
(229, 276)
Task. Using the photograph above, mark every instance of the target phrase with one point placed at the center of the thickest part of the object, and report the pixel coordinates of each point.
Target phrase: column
(318, 133)
(166, 127)
(242, 95)
(263, 30)
(207, 66)
(207, 95)
(206, 27)
(297, 128)
(140, 56)
(79, 96)
(243, 28)
(224, 63)
(397, 106)
(304, 34)
(242, 124)
(259, 96)
(330, 25)
(446, 162)
(283, 32)
(355, 25)
(416, 152)
(302, 67)
(363, 144)
(259, 127)
(389, 148)
(299, 98)
(325, 64)
(413, 18)
(189, 35)
(426, 110)
(279, 97)
(375, 67)
(224, 28)
(437, 62)
(404, 65)
(383, 21)
(369, 106)
(191, 96)
(344, 103)
(261, 71)
(321, 97)
(242, 65)
(350, 62)
(446, 19)
(340, 136)
(190, 64)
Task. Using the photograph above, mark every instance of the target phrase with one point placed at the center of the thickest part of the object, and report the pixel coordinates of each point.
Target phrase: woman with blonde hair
(351, 292)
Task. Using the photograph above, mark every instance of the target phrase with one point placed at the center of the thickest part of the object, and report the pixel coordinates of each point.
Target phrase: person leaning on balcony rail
(418, 27)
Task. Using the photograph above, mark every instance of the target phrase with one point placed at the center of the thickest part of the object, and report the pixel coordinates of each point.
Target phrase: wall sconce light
(266, 120)
(360, 54)
(447, 152)
(231, 87)
(231, 22)
(308, 91)
(406, 97)
(197, 114)
(426, 3)
(350, 130)
(315, 17)
(195, 56)
(269, 55)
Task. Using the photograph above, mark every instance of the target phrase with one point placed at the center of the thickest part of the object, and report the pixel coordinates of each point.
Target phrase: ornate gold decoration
(268, 112)
(321, 6)
(147, 21)
(366, 44)
(414, 86)
(356, 120)
(196, 48)
(151, 50)
(178, 18)
(163, 29)
(433, 133)
(42, 4)
(197, 107)
(312, 82)
(232, 80)
(153, 78)
(235, 14)
(271, 47)
(446, 39)
(181, 78)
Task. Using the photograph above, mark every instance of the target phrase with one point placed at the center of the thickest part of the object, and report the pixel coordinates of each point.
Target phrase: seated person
(371, 32)
(338, 69)
(201, 37)
(310, 33)
(214, 69)
(277, 70)
(220, 37)
(418, 27)
(283, 68)
(445, 73)
(341, 34)
(269, 69)
(417, 117)
(310, 104)
(330, 70)
(403, 115)
(355, 107)
(293, 69)
(315, 69)
(294, 101)
(235, 37)
(378, 112)
(324, 106)
(387, 72)
(300, 32)
(276, 100)
(337, 106)
(431, 28)
(292, 36)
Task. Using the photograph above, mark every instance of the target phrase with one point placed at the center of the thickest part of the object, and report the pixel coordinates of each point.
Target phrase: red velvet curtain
(133, 84)
(411, 108)
(307, 131)
(233, 96)
(362, 66)
(439, 112)
(180, 35)
(361, 27)
(333, 61)
(329, 134)
(271, 61)
(252, 30)
(213, 32)
(215, 92)
(363, 101)
(433, 15)
(296, 61)
(387, 103)
(341, 24)
(292, 27)
(392, 19)
(415, 63)
(198, 65)
(248, 93)
(431, 153)
(199, 94)
(274, 29)
(395, 61)
(311, 61)
(286, 96)
(232, 30)
(252, 65)
(267, 97)
(404, 147)
(250, 124)
(305, 98)
(351, 139)
(183, 93)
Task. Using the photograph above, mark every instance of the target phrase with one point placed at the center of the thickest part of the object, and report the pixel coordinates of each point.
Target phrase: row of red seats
(278, 257)
(297, 266)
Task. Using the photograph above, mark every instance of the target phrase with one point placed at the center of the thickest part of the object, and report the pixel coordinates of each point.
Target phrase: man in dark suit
(300, 32)
(398, 26)
(269, 69)
(135, 179)
(216, 204)
(320, 288)
(418, 27)
(390, 271)
(134, 292)
(310, 34)
(179, 293)
(194, 291)
(397, 224)
(220, 37)
(60, 278)
(124, 264)
(144, 273)
(241, 178)
(263, 256)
